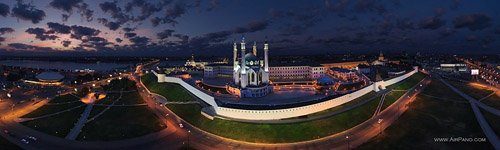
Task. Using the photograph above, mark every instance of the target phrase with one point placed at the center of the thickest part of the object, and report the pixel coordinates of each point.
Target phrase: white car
(25, 141)
(32, 138)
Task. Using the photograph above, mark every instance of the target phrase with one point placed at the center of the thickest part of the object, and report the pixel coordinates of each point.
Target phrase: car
(25, 141)
(31, 137)
(180, 125)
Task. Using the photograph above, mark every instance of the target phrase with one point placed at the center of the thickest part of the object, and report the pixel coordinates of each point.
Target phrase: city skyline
(170, 28)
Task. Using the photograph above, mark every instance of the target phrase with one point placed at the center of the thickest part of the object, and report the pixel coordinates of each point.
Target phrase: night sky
(182, 27)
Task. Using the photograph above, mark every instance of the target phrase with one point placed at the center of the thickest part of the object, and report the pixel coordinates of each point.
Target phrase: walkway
(492, 93)
(105, 109)
(73, 133)
(380, 104)
(123, 105)
(188, 102)
(48, 115)
(490, 134)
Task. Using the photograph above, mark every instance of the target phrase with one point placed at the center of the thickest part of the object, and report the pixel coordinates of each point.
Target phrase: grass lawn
(493, 101)
(58, 125)
(348, 104)
(130, 98)
(493, 120)
(64, 98)
(50, 109)
(408, 82)
(476, 92)
(276, 133)
(269, 133)
(391, 98)
(110, 98)
(429, 118)
(96, 110)
(6, 145)
(120, 123)
(171, 91)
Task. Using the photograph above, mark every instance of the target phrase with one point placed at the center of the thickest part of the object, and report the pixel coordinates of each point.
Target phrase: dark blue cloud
(4, 9)
(27, 12)
(472, 21)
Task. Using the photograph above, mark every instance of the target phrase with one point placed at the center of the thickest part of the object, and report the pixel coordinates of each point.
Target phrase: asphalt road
(175, 137)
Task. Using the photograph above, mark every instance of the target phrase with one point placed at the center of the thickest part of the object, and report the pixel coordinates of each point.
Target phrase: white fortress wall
(289, 112)
(279, 113)
(203, 96)
(303, 110)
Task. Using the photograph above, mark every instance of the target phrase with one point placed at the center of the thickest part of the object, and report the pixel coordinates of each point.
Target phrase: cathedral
(250, 73)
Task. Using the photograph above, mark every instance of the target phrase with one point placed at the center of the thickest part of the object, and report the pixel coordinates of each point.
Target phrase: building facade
(250, 74)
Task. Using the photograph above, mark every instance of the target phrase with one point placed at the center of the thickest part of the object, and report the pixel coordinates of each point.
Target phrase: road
(175, 137)
(487, 130)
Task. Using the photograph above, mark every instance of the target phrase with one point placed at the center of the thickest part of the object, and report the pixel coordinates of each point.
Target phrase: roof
(293, 63)
(340, 69)
(251, 57)
(50, 76)
(326, 80)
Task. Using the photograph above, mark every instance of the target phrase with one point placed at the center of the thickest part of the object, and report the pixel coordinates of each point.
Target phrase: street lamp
(379, 125)
(8, 95)
(189, 133)
(347, 138)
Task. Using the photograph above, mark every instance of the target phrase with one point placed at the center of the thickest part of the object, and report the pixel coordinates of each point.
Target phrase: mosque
(250, 73)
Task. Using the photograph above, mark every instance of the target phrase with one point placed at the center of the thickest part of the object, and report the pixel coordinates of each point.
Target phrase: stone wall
(288, 112)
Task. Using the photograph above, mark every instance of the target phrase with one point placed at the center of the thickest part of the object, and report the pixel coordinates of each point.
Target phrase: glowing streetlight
(93, 85)
(379, 121)
(8, 95)
(348, 145)
(76, 90)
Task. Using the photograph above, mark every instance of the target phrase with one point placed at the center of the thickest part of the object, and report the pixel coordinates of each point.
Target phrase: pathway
(380, 104)
(492, 93)
(106, 109)
(48, 115)
(123, 105)
(490, 134)
(73, 133)
(188, 102)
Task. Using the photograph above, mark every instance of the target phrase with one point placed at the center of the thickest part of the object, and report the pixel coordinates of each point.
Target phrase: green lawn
(96, 110)
(268, 133)
(493, 101)
(276, 133)
(50, 109)
(391, 98)
(356, 101)
(130, 98)
(6, 145)
(120, 123)
(171, 91)
(429, 118)
(493, 120)
(64, 98)
(110, 98)
(408, 82)
(402, 85)
(473, 91)
(57, 125)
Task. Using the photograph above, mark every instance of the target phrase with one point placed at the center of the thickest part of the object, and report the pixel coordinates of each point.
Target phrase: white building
(250, 74)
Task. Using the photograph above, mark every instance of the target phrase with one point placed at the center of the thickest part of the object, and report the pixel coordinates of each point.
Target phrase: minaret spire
(254, 50)
(244, 77)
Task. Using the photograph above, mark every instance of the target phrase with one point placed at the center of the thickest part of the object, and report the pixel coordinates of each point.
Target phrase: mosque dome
(251, 59)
